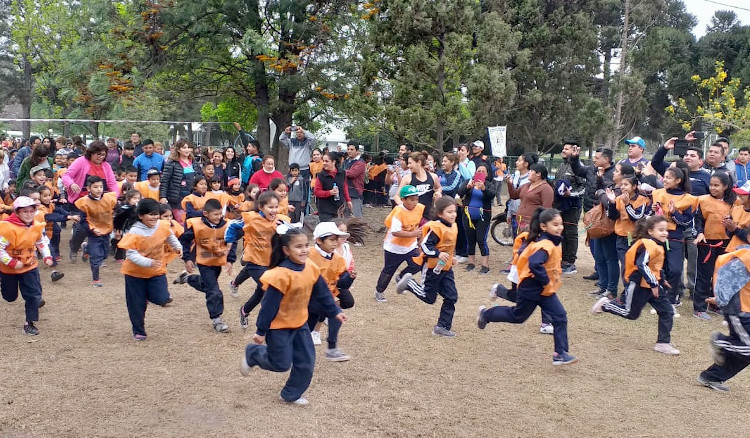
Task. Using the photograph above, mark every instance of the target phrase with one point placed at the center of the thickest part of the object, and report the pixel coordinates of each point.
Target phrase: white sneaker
(460, 259)
(300, 401)
(245, 369)
(493, 292)
(380, 297)
(597, 307)
(546, 329)
(315, 337)
(653, 311)
(666, 349)
(233, 290)
(219, 325)
(676, 313)
(403, 283)
(336, 355)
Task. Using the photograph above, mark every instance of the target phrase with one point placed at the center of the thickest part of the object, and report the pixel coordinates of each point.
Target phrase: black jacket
(593, 182)
(175, 185)
(330, 205)
(490, 191)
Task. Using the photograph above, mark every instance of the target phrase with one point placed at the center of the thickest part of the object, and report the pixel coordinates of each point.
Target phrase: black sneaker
(470, 267)
(481, 322)
(56, 275)
(593, 276)
(85, 255)
(484, 270)
(182, 279)
(169, 300)
(716, 386)
(30, 330)
(42, 303)
(599, 293)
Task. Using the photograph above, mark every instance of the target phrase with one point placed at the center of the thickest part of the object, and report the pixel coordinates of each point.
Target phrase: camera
(699, 134)
(680, 147)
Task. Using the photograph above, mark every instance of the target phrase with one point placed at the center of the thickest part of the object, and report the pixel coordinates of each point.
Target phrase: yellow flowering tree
(717, 105)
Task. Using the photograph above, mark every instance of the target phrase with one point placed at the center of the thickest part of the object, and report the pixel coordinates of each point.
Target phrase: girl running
(539, 276)
(625, 210)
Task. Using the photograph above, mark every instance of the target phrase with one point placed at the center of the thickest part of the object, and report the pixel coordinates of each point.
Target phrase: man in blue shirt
(148, 160)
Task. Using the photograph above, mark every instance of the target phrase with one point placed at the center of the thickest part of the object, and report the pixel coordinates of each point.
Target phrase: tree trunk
(607, 73)
(207, 137)
(440, 120)
(25, 97)
(189, 127)
(621, 75)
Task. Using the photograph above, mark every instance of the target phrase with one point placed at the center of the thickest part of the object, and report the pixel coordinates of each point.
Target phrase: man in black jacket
(569, 192)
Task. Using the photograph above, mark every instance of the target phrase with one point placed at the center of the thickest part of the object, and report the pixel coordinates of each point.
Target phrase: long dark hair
(683, 176)
(541, 170)
(729, 196)
(279, 242)
(38, 155)
(263, 199)
(644, 224)
(541, 216)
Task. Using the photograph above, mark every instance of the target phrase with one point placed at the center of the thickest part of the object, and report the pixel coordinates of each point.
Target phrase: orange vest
(146, 191)
(744, 255)
(517, 242)
(315, 169)
(655, 259)
(99, 214)
(258, 233)
(623, 224)
(297, 289)
(235, 199)
(21, 245)
(682, 203)
(284, 205)
(331, 270)
(148, 246)
(713, 211)
(53, 188)
(552, 265)
(210, 247)
(41, 211)
(410, 220)
(447, 243)
(56, 177)
(197, 201)
(742, 219)
(222, 197)
(169, 253)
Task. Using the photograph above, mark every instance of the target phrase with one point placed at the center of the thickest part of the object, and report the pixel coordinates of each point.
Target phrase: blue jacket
(143, 164)
(741, 171)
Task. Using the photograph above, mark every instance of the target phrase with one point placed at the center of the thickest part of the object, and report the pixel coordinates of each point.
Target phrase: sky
(703, 10)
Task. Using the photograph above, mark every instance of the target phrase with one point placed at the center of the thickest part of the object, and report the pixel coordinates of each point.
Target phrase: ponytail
(541, 216)
(684, 176)
(280, 241)
(644, 224)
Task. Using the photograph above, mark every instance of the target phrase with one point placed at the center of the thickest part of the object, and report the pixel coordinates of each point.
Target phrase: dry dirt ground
(84, 376)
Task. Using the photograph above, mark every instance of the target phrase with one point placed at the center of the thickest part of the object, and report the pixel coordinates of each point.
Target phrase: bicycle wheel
(501, 234)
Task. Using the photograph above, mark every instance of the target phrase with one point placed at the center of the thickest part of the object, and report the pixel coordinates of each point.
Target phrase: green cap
(407, 191)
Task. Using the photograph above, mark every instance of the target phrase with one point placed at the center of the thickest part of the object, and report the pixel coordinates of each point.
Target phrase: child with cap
(144, 267)
(400, 244)
(20, 238)
(150, 187)
(334, 271)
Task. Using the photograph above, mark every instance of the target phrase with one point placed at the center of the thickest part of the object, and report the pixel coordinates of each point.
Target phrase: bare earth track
(84, 376)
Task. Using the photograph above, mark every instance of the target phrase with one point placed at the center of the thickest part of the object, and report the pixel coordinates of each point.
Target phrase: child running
(97, 209)
(193, 203)
(53, 216)
(144, 268)
(278, 186)
(204, 237)
(150, 187)
(625, 210)
(333, 270)
(165, 214)
(539, 276)
(125, 216)
(731, 353)
(400, 244)
(643, 269)
(20, 238)
(438, 246)
(712, 237)
(290, 285)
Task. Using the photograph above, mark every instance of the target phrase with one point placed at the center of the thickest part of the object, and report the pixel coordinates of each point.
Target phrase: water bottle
(439, 267)
(337, 196)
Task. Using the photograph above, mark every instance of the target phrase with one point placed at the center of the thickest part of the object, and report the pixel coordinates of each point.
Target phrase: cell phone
(680, 147)
(480, 177)
(699, 134)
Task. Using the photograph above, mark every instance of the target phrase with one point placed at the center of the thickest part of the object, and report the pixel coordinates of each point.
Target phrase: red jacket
(355, 175)
(264, 179)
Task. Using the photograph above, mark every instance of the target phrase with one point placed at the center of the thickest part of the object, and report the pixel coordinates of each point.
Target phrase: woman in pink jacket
(91, 164)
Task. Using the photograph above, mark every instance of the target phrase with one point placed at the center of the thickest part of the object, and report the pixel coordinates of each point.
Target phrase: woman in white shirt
(4, 172)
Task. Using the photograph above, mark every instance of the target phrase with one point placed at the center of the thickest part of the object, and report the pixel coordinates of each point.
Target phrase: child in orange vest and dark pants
(204, 236)
(97, 222)
(290, 284)
(539, 275)
(145, 267)
(20, 237)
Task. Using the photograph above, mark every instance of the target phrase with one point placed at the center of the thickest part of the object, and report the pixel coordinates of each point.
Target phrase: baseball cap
(23, 201)
(636, 140)
(744, 190)
(325, 229)
(407, 191)
(152, 172)
(478, 144)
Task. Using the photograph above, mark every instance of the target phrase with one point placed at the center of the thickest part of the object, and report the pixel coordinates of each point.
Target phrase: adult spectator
(355, 167)
(728, 161)
(426, 183)
(232, 167)
(316, 165)
(636, 146)
(22, 154)
(78, 144)
(741, 166)
(699, 178)
(466, 166)
(604, 249)
(113, 153)
(570, 189)
(331, 189)
(478, 156)
(4, 173)
(266, 174)
(405, 148)
(537, 193)
(61, 144)
(91, 164)
(135, 140)
(376, 172)
(449, 177)
(148, 160)
(715, 161)
(477, 195)
(300, 146)
(128, 156)
(39, 157)
(177, 178)
(519, 178)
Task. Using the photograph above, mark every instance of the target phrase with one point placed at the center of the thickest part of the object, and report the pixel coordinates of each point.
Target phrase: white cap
(23, 201)
(478, 144)
(325, 229)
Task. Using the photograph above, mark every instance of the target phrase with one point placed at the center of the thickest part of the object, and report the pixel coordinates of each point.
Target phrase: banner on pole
(497, 140)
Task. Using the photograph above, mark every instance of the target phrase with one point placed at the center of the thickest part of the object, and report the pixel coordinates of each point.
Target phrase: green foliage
(229, 110)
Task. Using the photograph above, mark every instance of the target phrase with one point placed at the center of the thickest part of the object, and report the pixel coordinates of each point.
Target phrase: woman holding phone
(477, 195)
